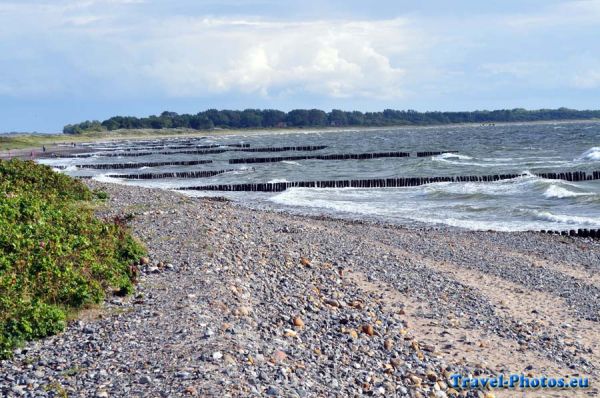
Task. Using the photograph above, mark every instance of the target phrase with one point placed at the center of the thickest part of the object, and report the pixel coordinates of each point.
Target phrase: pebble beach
(237, 302)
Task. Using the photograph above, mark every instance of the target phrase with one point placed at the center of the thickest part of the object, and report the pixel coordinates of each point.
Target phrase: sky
(65, 61)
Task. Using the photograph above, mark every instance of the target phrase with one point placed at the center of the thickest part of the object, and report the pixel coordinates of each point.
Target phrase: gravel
(241, 302)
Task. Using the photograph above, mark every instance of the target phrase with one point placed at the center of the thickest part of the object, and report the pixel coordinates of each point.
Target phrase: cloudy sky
(63, 61)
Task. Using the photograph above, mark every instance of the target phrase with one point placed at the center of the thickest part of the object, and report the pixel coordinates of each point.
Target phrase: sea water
(524, 203)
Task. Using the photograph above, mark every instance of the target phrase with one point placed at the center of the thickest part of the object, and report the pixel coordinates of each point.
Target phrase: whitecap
(566, 219)
(290, 162)
(450, 155)
(592, 154)
(554, 191)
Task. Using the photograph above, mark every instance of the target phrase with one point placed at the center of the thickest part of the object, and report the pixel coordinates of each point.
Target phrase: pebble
(298, 322)
(145, 380)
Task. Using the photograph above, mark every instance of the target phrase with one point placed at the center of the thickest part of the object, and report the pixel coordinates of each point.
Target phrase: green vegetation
(271, 118)
(55, 255)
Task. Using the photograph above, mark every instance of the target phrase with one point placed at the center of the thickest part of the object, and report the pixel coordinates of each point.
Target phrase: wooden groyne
(182, 174)
(108, 166)
(346, 156)
(189, 146)
(389, 182)
(584, 233)
(199, 151)
(284, 149)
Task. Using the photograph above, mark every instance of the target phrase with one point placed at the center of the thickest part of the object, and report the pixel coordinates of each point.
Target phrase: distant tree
(337, 118)
(255, 118)
(272, 117)
(250, 118)
(297, 118)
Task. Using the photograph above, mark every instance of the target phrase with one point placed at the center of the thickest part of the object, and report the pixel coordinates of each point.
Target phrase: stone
(388, 344)
(415, 380)
(229, 359)
(298, 322)
(144, 261)
(217, 355)
(183, 375)
(243, 311)
(333, 303)
(88, 330)
(279, 356)
(290, 333)
(145, 380)
(368, 330)
(304, 261)
(101, 394)
(272, 391)
(431, 376)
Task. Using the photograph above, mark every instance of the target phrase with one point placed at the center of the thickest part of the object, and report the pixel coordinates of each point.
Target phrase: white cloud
(191, 56)
(120, 48)
(337, 59)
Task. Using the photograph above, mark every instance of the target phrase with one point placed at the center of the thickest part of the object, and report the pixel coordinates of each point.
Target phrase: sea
(524, 203)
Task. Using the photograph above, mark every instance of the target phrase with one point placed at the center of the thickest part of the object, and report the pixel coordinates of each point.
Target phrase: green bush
(55, 255)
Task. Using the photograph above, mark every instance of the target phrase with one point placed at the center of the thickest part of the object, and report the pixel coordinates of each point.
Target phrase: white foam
(290, 162)
(555, 191)
(566, 219)
(448, 155)
(276, 180)
(592, 154)
(106, 178)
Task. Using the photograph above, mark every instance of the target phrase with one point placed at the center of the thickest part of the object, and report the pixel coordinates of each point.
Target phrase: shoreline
(52, 141)
(382, 309)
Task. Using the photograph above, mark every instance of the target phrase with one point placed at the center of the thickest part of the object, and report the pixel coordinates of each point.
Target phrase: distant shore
(22, 145)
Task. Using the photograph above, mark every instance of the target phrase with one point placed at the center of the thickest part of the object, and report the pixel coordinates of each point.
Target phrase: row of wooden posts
(182, 174)
(585, 233)
(226, 148)
(346, 156)
(190, 146)
(109, 166)
(389, 182)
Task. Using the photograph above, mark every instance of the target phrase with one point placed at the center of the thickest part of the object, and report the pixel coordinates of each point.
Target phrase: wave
(242, 170)
(449, 155)
(555, 191)
(106, 178)
(566, 219)
(276, 180)
(291, 162)
(592, 154)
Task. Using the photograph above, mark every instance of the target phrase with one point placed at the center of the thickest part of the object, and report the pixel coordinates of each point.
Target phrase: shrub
(55, 255)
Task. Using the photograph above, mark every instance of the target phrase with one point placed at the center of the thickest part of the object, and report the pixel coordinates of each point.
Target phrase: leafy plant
(55, 255)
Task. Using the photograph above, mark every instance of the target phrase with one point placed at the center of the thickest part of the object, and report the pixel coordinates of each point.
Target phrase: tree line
(271, 118)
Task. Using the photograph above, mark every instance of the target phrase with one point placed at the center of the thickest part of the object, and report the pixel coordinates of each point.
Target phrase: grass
(36, 141)
(56, 257)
